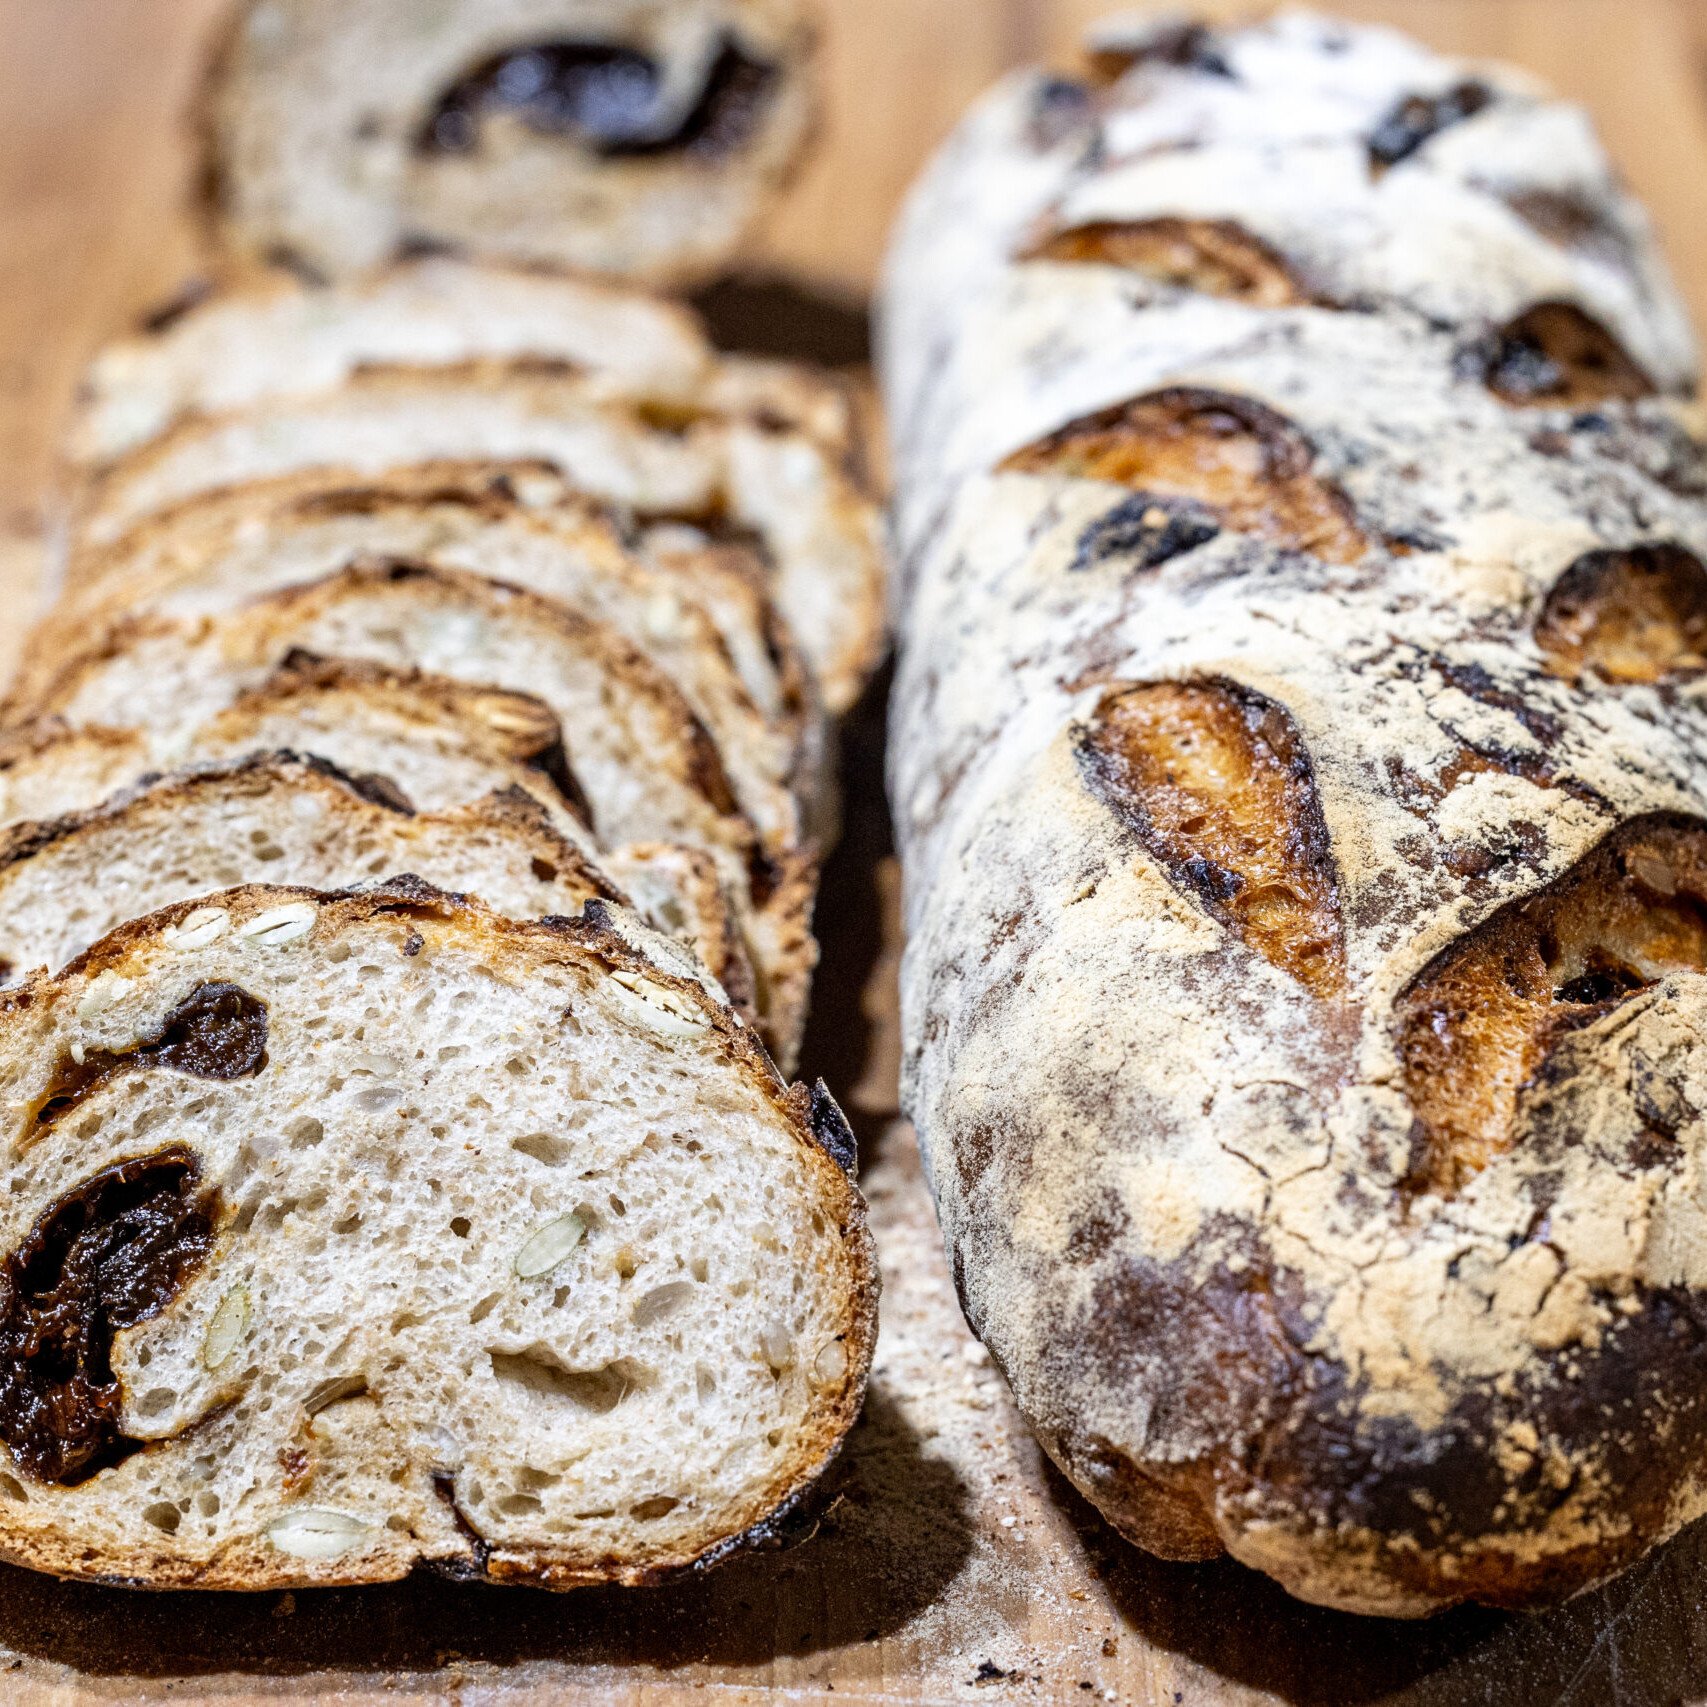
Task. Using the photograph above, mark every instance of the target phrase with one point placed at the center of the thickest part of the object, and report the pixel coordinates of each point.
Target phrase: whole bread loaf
(1297, 762)
(610, 136)
(348, 1233)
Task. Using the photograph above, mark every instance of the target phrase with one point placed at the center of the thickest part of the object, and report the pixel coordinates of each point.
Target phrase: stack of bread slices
(400, 614)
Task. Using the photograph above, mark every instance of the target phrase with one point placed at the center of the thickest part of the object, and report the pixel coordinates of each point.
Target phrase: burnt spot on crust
(1216, 782)
(1217, 257)
(1638, 615)
(830, 1127)
(1186, 47)
(218, 1031)
(1556, 356)
(1144, 532)
(1419, 118)
(1476, 1026)
(1249, 468)
(112, 1252)
(604, 98)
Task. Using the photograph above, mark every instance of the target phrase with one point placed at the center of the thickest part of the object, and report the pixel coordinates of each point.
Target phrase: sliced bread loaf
(618, 137)
(444, 745)
(345, 1234)
(797, 497)
(650, 770)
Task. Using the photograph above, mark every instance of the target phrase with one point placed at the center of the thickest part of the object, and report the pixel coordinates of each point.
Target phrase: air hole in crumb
(661, 1505)
(543, 1147)
(460, 1225)
(163, 1515)
(537, 1372)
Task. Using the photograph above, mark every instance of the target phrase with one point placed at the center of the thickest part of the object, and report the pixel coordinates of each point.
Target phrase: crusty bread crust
(1296, 764)
(600, 942)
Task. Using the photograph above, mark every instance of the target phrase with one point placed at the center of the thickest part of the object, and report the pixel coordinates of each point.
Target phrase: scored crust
(1295, 763)
(235, 976)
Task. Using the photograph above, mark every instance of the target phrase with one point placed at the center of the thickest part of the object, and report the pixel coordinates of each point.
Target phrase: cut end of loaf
(504, 1252)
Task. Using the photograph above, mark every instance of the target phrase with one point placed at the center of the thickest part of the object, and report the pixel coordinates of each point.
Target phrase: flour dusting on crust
(1391, 1284)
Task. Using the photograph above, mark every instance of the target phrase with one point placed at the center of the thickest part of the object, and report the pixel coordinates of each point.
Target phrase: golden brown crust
(1244, 464)
(1217, 257)
(1216, 781)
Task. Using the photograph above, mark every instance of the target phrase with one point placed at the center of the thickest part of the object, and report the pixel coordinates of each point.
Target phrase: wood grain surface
(953, 1564)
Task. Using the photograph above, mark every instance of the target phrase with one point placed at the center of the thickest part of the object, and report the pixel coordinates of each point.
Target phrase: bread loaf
(275, 335)
(611, 136)
(346, 1234)
(66, 882)
(1296, 760)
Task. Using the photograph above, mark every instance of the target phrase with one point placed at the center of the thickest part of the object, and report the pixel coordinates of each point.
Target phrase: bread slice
(277, 335)
(443, 745)
(627, 138)
(350, 1233)
(273, 817)
(650, 771)
(241, 525)
(796, 496)
(209, 556)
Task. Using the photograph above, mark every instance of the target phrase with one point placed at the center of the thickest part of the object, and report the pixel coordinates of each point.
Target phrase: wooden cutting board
(955, 1565)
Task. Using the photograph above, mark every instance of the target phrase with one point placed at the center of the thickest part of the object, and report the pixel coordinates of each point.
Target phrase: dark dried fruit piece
(1216, 782)
(1555, 356)
(1417, 118)
(1478, 1023)
(606, 98)
(218, 1031)
(1218, 257)
(1144, 532)
(110, 1253)
(1638, 615)
(1187, 47)
(1248, 467)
